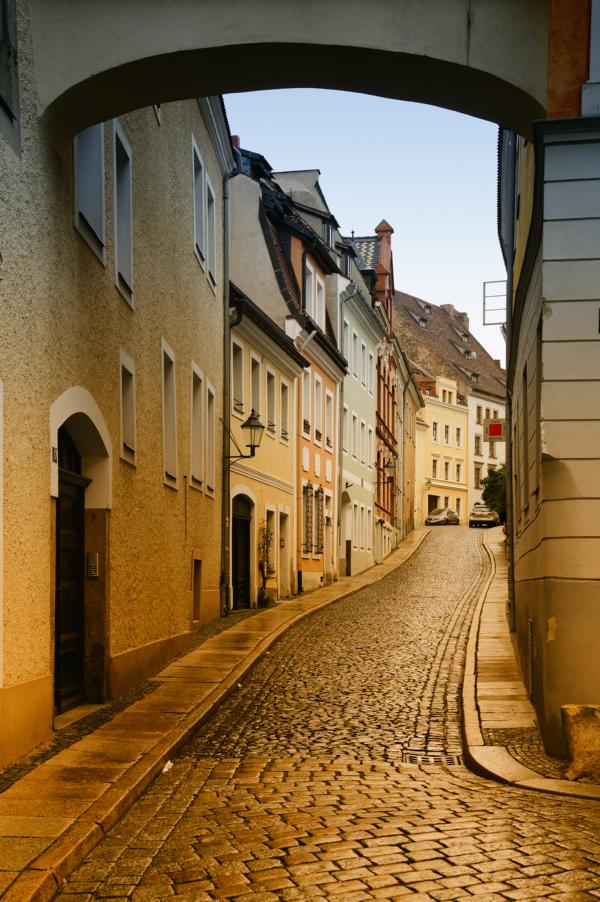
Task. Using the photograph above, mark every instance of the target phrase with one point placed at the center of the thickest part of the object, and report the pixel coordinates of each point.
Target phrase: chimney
(497, 362)
(464, 319)
(449, 309)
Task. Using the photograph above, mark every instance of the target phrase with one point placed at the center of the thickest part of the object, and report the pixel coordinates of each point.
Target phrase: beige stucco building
(111, 278)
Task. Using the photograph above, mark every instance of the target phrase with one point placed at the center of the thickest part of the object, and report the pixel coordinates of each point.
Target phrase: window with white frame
(434, 468)
(363, 442)
(355, 526)
(363, 525)
(458, 472)
(318, 409)
(309, 288)
(370, 459)
(363, 364)
(446, 470)
(270, 401)
(255, 372)
(284, 411)
(237, 378)
(306, 402)
(169, 415)
(123, 212)
(197, 430)
(328, 420)
(435, 432)
(199, 202)
(355, 357)
(371, 372)
(458, 437)
(346, 429)
(128, 431)
(447, 435)
(346, 341)
(320, 304)
(88, 159)
(210, 439)
(354, 435)
(211, 233)
(369, 529)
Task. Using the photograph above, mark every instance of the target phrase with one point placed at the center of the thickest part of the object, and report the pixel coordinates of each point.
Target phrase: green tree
(494, 491)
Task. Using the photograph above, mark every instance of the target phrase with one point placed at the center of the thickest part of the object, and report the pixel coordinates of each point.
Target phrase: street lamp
(389, 470)
(253, 429)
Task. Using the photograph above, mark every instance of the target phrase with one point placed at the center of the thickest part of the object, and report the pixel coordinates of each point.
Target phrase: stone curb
(494, 761)
(43, 877)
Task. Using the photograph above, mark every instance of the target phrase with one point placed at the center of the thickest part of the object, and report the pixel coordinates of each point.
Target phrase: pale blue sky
(430, 172)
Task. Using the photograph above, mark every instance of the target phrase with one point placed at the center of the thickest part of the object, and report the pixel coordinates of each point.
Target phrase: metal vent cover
(422, 758)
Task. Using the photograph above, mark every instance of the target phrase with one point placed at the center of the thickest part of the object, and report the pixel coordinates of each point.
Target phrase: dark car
(442, 516)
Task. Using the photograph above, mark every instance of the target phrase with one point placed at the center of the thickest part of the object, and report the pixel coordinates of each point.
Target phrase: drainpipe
(510, 613)
(225, 480)
(402, 468)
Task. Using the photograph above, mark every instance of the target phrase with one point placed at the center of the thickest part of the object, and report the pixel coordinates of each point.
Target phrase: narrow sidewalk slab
(494, 695)
(52, 817)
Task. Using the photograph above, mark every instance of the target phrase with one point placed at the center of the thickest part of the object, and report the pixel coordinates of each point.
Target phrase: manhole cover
(422, 758)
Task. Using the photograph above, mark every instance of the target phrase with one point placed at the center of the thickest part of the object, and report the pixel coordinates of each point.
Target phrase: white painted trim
(257, 359)
(210, 275)
(100, 252)
(269, 371)
(118, 132)
(126, 454)
(284, 382)
(317, 381)
(199, 252)
(166, 350)
(195, 483)
(78, 400)
(240, 345)
(210, 473)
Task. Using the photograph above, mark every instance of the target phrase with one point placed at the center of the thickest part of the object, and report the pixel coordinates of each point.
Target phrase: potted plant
(265, 547)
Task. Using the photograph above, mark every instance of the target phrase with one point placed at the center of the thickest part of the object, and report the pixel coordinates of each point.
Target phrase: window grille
(307, 517)
(319, 521)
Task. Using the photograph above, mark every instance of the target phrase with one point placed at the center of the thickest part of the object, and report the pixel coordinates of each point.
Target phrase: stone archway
(485, 59)
(81, 455)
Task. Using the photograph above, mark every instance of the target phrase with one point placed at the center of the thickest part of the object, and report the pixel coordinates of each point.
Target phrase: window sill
(170, 482)
(200, 258)
(196, 484)
(125, 291)
(129, 459)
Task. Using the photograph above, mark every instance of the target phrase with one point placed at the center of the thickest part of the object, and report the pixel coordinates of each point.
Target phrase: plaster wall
(64, 323)
(484, 458)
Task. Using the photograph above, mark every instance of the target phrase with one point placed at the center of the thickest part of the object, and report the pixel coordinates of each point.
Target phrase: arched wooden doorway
(240, 550)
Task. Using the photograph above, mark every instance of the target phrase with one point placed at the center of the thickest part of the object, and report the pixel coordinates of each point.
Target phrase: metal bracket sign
(494, 430)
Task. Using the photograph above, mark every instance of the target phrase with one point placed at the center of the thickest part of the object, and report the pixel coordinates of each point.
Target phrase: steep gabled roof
(367, 248)
(439, 340)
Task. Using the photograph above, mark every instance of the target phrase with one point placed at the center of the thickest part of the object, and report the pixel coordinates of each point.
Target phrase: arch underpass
(486, 58)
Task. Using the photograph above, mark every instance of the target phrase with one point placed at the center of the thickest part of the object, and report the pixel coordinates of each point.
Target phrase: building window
(345, 429)
(270, 524)
(458, 472)
(434, 468)
(88, 159)
(211, 453)
(446, 500)
(355, 360)
(309, 287)
(123, 212)
(363, 364)
(354, 435)
(525, 437)
(211, 234)
(319, 522)
(363, 526)
(346, 341)
(307, 518)
(355, 527)
(369, 528)
(479, 417)
(434, 432)
(270, 402)
(370, 450)
(320, 305)
(318, 411)
(363, 442)
(196, 431)
(348, 266)
(9, 81)
(492, 447)
(306, 402)
(255, 384)
(447, 435)
(328, 420)
(487, 413)
(477, 476)
(458, 500)
(458, 437)
(478, 444)
(128, 434)
(199, 194)
(371, 372)
(495, 415)
(169, 416)
(283, 413)
(237, 378)
(444, 396)
(446, 470)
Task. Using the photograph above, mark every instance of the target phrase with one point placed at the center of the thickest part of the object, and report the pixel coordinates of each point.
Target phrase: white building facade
(483, 456)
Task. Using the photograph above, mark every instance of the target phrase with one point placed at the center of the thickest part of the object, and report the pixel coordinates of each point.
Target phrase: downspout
(225, 479)
(402, 468)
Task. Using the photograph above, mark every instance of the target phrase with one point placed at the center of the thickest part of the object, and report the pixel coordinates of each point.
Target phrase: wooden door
(241, 562)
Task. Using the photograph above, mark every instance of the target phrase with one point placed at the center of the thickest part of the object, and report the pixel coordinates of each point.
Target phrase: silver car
(442, 516)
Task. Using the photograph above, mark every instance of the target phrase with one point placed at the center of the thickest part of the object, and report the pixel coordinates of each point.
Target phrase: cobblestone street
(334, 771)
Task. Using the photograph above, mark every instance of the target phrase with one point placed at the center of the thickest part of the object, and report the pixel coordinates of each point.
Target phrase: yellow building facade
(441, 451)
(265, 371)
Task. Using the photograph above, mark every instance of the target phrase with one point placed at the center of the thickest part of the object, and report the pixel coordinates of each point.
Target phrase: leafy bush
(494, 491)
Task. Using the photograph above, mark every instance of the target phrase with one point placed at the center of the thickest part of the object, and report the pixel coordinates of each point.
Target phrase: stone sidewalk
(54, 815)
(501, 734)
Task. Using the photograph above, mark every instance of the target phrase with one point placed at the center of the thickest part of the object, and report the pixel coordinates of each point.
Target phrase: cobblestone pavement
(67, 736)
(333, 772)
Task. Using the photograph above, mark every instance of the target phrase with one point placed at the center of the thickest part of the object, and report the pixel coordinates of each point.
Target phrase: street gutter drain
(418, 758)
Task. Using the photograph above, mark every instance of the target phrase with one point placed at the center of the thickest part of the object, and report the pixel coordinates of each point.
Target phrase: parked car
(442, 516)
(482, 515)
